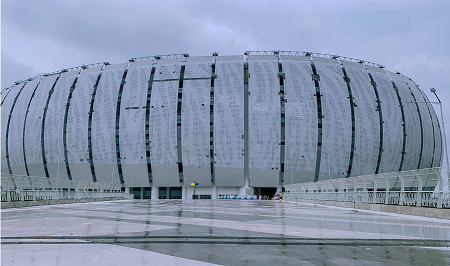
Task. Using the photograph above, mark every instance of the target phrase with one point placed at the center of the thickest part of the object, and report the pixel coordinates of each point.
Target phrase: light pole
(59, 160)
(433, 90)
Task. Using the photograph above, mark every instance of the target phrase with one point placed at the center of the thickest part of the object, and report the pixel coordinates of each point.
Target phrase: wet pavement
(223, 232)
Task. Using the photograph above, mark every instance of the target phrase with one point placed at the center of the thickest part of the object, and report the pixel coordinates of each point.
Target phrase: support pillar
(214, 192)
(246, 127)
(184, 193)
(167, 192)
(127, 190)
(155, 193)
(142, 192)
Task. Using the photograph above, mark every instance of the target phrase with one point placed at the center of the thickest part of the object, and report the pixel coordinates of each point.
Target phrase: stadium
(226, 124)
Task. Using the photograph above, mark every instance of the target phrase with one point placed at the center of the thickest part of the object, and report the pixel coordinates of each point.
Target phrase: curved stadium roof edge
(172, 56)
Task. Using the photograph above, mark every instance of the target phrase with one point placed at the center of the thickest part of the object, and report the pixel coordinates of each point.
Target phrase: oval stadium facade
(228, 123)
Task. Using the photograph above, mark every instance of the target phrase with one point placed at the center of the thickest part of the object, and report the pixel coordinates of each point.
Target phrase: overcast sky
(409, 36)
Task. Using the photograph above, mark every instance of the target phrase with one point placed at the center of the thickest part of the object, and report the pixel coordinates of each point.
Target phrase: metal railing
(420, 188)
(33, 188)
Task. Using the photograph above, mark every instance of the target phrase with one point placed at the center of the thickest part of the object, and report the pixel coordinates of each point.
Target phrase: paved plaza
(218, 232)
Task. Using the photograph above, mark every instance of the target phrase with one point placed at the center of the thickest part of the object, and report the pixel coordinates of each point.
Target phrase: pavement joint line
(241, 241)
(226, 237)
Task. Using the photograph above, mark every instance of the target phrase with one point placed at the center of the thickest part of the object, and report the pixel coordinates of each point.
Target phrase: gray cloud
(13, 70)
(410, 36)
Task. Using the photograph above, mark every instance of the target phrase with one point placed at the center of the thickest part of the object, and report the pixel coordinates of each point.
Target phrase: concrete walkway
(223, 232)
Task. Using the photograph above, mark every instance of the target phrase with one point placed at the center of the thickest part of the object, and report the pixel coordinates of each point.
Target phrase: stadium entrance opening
(170, 193)
(141, 192)
(265, 192)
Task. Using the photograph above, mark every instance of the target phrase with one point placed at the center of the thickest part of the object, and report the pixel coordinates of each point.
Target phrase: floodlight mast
(433, 90)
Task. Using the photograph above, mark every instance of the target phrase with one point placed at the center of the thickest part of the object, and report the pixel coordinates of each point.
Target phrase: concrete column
(184, 192)
(246, 128)
(167, 192)
(155, 193)
(214, 192)
(127, 190)
(142, 192)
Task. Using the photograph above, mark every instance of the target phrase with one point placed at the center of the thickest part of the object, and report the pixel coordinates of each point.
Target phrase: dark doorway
(170, 193)
(266, 192)
(136, 191)
(141, 192)
(175, 193)
(147, 193)
(162, 193)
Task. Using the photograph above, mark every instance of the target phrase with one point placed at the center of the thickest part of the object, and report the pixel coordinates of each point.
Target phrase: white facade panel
(54, 120)
(412, 122)
(189, 124)
(198, 67)
(392, 122)
(264, 121)
(336, 122)
(427, 126)
(15, 136)
(77, 125)
(195, 118)
(132, 125)
(301, 120)
(104, 124)
(33, 151)
(367, 121)
(5, 110)
(229, 121)
(163, 125)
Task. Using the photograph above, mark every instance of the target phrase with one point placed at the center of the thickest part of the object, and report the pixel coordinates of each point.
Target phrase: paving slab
(218, 232)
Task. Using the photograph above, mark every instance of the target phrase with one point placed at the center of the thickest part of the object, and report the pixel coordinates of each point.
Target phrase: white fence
(32, 188)
(421, 188)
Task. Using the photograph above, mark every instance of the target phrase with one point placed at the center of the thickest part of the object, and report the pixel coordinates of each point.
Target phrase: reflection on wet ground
(224, 232)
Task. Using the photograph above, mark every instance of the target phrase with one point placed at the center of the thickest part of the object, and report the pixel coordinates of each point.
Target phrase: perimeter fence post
(375, 188)
(419, 190)
(402, 191)
(8, 191)
(386, 196)
(34, 189)
(440, 187)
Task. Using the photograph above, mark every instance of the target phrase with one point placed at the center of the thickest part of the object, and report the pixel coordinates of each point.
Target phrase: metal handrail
(32, 188)
(422, 187)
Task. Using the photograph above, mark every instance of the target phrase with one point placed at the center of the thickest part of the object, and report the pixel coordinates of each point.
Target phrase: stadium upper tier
(262, 119)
